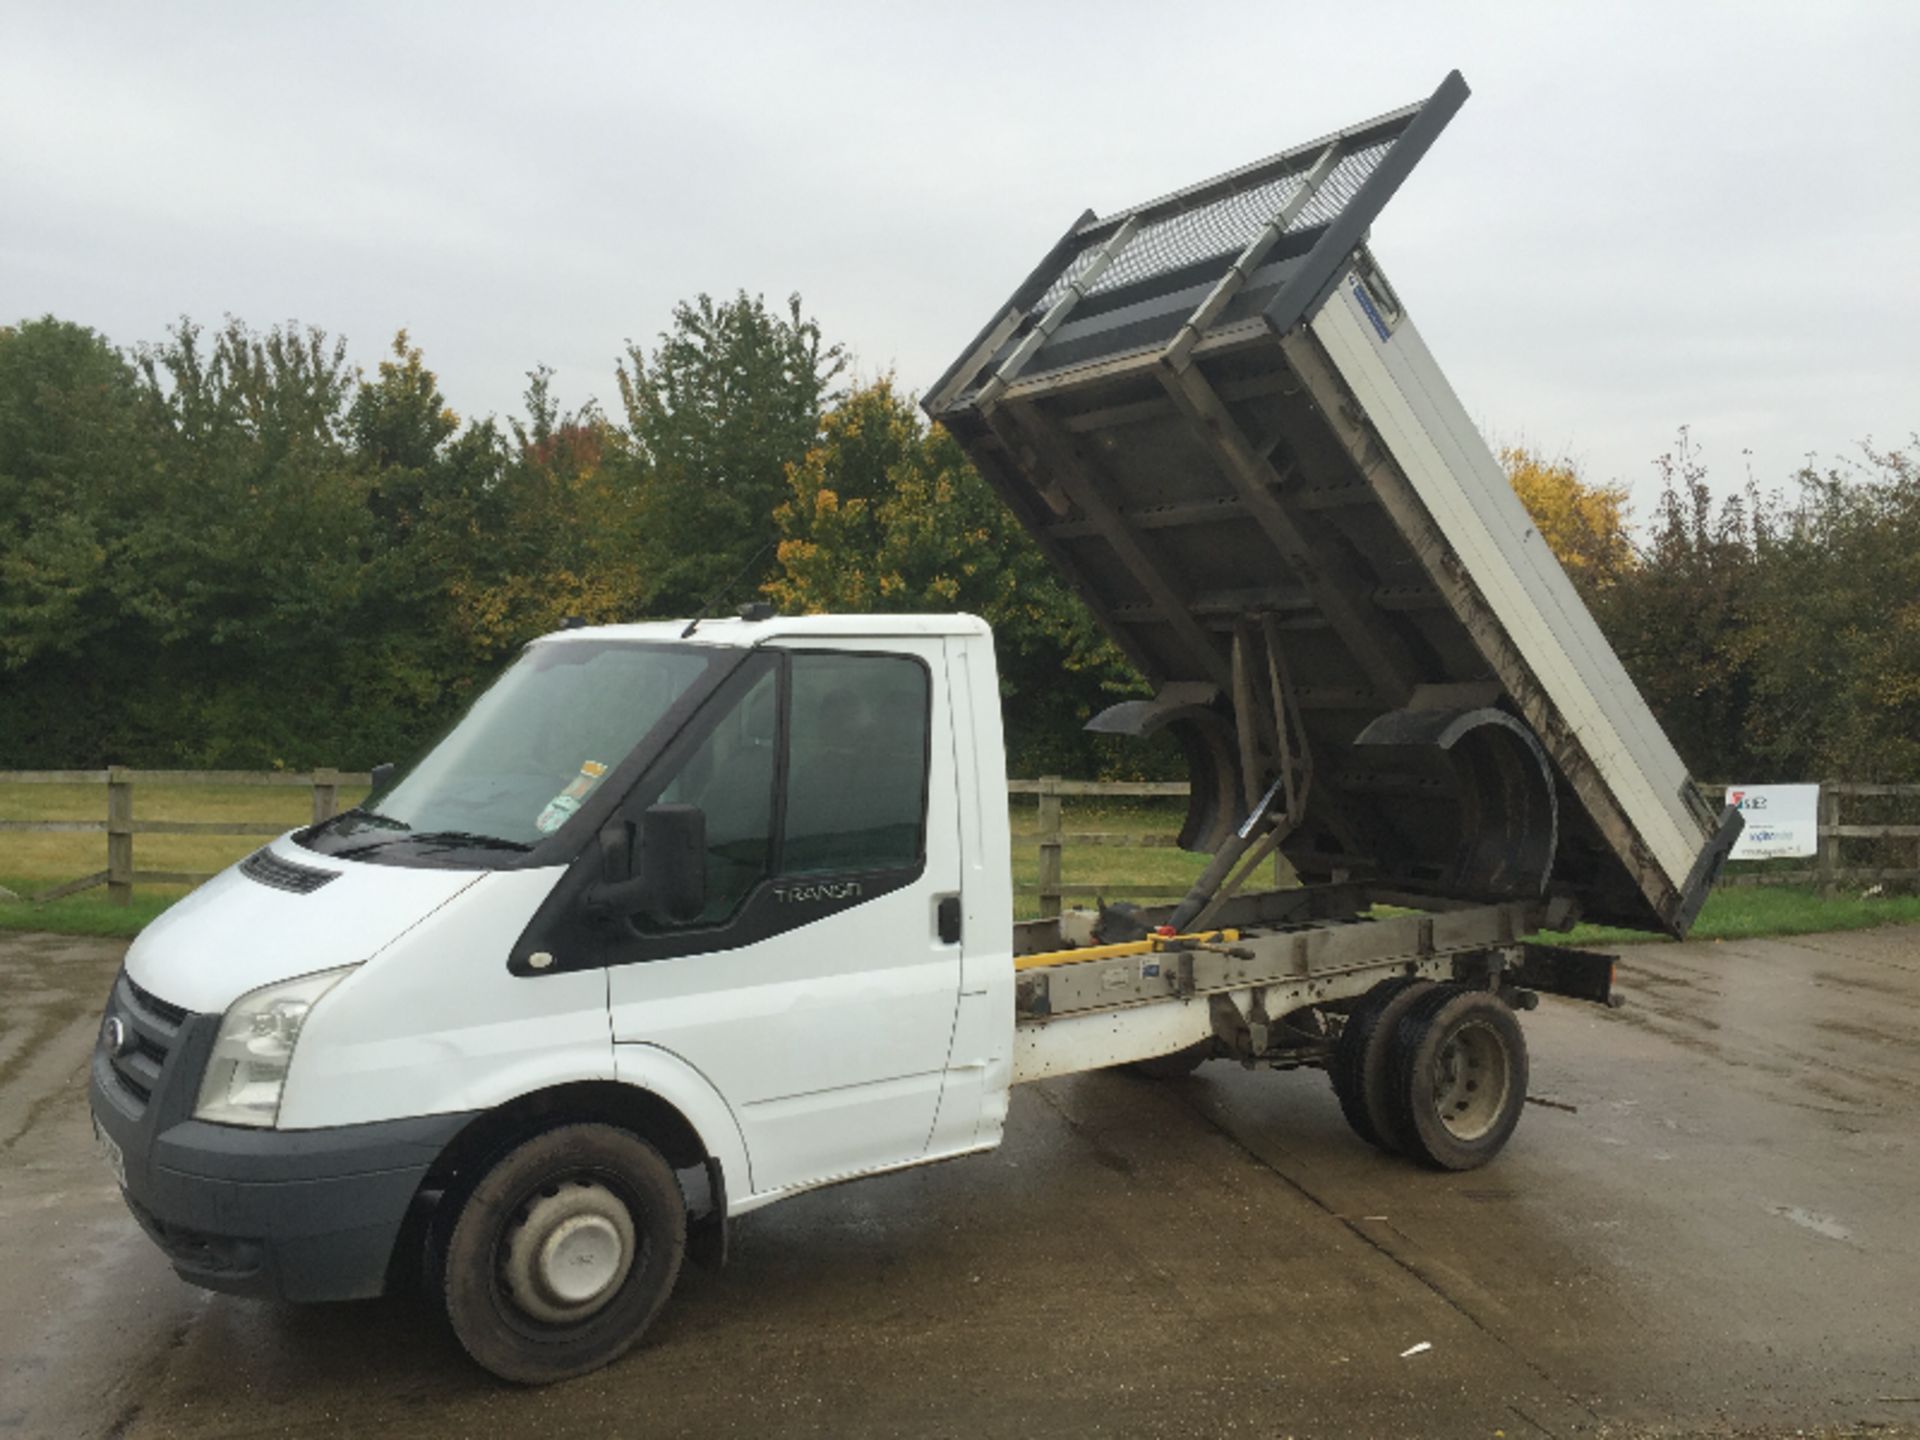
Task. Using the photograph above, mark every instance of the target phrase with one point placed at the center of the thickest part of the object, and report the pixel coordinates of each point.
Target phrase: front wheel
(563, 1253)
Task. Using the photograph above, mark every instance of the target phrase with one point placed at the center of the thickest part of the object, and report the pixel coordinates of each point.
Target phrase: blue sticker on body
(1373, 313)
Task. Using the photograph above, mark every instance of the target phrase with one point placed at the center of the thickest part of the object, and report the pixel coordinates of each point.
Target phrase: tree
(399, 425)
(72, 438)
(885, 514)
(1778, 639)
(552, 535)
(1585, 525)
(730, 397)
(1681, 618)
(234, 548)
(1834, 649)
(258, 529)
(216, 556)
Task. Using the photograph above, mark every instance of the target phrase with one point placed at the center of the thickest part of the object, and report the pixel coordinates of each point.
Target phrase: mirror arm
(623, 897)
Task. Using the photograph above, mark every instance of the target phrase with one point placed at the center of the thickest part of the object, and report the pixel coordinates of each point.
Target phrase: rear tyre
(1459, 1077)
(563, 1253)
(1177, 1066)
(1359, 1068)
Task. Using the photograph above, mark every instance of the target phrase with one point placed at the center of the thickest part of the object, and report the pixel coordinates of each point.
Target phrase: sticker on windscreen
(562, 807)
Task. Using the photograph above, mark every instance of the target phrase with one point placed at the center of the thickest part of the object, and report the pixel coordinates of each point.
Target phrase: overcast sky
(1647, 215)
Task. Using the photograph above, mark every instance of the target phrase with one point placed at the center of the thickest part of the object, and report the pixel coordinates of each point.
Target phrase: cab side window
(857, 764)
(730, 776)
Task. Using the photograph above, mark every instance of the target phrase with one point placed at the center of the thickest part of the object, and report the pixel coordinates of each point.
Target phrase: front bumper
(288, 1214)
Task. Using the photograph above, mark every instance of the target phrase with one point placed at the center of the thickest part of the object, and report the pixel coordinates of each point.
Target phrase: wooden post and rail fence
(1052, 839)
(120, 826)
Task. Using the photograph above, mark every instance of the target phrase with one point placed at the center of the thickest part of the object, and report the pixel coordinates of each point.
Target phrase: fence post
(326, 794)
(1049, 847)
(1829, 842)
(120, 835)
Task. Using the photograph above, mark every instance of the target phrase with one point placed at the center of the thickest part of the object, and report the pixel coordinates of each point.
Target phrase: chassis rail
(1238, 987)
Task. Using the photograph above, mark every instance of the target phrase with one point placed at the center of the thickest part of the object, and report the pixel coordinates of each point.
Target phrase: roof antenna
(713, 599)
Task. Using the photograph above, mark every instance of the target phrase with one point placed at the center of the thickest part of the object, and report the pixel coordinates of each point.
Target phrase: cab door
(816, 989)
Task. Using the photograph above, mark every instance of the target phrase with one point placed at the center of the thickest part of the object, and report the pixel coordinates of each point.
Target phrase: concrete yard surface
(1709, 1225)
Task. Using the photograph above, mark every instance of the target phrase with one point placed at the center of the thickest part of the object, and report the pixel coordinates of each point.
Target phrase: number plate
(116, 1161)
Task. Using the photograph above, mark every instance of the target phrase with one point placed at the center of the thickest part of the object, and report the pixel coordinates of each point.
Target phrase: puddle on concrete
(1813, 1220)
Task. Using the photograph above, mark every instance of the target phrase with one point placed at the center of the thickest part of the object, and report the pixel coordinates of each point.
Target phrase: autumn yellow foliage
(1585, 525)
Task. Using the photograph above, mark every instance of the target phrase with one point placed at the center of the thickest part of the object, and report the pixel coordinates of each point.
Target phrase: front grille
(269, 869)
(156, 1053)
(153, 1004)
(153, 1027)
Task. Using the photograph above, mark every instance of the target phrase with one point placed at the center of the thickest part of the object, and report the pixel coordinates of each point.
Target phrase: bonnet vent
(269, 869)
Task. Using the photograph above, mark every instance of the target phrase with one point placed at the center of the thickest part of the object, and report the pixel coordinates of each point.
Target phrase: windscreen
(540, 740)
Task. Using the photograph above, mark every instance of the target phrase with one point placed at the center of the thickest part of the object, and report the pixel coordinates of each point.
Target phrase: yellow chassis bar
(1151, 945)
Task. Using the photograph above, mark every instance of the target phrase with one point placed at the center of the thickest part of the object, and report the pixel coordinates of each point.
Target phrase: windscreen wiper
(360, 818)
(467, 838)
(448, 838)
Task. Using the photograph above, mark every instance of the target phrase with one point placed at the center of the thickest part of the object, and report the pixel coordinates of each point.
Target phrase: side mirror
(381, 775)
(673, 863)
(665, 879)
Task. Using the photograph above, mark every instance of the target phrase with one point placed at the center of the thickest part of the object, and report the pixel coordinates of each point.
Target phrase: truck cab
(737, 891)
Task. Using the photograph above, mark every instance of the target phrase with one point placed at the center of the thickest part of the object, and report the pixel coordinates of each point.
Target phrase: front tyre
(563, 1253)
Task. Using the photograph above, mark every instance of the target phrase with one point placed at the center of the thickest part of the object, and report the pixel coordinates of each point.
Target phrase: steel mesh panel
(1222, 226)
(1336, 192)
(1066, 278)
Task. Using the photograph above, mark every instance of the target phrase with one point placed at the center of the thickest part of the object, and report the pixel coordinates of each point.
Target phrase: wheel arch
(630, 1106)
(608, 1102)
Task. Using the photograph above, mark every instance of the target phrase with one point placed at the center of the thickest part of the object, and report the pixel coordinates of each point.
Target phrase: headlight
(248, 1067)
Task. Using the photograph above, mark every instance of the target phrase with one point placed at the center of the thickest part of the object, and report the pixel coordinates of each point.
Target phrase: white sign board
(1781, 820)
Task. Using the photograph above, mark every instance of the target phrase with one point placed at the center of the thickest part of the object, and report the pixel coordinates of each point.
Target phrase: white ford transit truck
(680, 919)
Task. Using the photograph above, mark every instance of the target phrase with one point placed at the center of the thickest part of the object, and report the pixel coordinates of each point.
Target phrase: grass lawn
(31, 862)
(1772, 910)
(1160, 873)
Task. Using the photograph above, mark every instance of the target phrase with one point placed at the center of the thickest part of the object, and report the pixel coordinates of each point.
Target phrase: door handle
(947, 917)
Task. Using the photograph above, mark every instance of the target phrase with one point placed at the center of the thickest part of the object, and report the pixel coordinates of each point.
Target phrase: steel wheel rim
(566, 1251)
(1472, 1074)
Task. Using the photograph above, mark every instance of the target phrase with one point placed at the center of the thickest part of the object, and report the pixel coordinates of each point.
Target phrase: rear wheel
(563, 1253)
(1459, 1077)
(1359, 1068)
